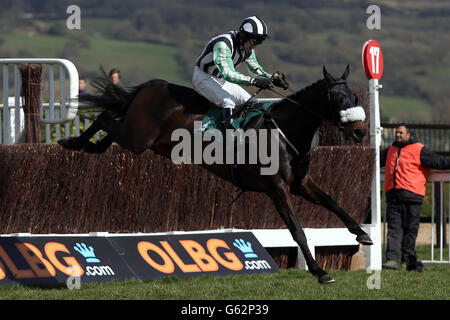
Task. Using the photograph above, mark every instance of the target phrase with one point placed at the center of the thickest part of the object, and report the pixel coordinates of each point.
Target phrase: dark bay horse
(145, 116)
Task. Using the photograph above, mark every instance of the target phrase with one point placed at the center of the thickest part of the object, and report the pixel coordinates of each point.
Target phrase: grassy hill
(150, 39)
(145, 60)
(400, 109)
(141, 60)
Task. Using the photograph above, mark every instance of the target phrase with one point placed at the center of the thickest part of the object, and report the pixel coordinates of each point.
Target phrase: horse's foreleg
(280, 197)
(312, 192)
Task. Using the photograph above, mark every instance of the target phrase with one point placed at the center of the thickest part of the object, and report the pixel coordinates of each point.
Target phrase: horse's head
(343, 108)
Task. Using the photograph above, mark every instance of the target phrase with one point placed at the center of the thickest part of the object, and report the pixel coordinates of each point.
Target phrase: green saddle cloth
(213, 118)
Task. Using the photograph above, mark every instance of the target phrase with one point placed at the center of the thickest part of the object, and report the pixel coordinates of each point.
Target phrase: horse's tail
(108, 96)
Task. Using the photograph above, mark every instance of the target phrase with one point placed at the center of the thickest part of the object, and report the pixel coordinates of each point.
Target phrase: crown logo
(245, 247)
(87, 252)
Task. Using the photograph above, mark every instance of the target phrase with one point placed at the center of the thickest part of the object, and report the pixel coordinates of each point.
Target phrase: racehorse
(145, 116)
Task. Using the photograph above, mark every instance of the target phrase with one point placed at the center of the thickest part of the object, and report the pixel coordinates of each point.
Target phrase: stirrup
(242, 109)
(227, 118)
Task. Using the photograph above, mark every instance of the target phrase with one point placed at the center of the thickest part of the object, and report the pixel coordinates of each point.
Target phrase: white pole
(373, 252)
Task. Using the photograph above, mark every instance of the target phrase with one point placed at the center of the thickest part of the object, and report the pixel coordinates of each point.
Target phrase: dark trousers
(403, 225)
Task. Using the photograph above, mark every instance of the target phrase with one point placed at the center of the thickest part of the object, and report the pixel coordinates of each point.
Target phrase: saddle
(192, 101)
(245, 114)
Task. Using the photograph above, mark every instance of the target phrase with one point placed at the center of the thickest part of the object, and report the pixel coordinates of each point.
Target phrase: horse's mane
(300, 95)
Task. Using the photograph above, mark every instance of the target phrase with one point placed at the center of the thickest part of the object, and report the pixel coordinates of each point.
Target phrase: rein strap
(284, 136)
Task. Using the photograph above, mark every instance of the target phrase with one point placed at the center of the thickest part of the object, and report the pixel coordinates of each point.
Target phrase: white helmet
(254, 27)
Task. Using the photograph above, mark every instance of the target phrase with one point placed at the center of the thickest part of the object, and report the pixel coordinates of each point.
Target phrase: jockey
(215, 76)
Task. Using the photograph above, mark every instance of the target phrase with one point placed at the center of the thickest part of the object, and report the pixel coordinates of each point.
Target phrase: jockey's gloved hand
(279, 80)
(263, 83)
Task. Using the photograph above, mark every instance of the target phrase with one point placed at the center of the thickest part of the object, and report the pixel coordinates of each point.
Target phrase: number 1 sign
(372, 60)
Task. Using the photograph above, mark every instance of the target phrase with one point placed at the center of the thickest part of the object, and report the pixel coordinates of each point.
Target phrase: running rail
(65, 67)
(439, 224)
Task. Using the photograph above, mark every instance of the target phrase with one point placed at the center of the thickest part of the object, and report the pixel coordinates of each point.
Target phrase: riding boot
(226, 122)
(226, 118)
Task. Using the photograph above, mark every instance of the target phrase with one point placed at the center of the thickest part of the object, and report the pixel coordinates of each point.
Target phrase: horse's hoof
(364, 239)
(68, 143)
(91, 148)
(326, 279)
(63, 143)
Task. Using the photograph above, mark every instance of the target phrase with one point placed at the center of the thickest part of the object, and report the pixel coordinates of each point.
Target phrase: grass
(424, 253)
(404, 108)
(148, 59)
(159, 60)
(41, 46)
(291, 284)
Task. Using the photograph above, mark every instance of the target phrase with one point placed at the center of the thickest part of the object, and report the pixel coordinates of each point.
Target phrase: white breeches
(218, 90)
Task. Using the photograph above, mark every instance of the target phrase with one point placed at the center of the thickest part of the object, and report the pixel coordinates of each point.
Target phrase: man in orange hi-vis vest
(407, 163)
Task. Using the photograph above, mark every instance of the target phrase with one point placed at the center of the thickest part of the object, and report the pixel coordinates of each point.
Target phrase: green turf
(432, 284)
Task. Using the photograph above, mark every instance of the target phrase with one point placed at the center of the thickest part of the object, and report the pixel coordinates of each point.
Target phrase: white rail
(51, 112)
(443, 179)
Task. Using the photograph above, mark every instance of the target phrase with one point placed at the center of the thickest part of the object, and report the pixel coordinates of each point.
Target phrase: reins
(297, 103)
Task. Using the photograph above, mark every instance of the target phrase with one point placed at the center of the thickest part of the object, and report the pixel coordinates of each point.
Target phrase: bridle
(338, 124)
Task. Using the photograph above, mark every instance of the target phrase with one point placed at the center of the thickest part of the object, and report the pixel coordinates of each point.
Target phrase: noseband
(348, 115)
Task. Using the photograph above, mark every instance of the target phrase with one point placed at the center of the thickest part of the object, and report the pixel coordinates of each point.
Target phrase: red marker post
(372, 61)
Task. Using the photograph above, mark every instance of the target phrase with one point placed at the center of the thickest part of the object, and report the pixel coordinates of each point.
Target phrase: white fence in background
(58, 98)
(443, 179)
(440, 226)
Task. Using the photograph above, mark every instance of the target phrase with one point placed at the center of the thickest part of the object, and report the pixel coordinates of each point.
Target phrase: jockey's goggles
(255, 42)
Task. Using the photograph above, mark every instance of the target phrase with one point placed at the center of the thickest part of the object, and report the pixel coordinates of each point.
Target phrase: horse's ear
(327, 76)
(346, 72)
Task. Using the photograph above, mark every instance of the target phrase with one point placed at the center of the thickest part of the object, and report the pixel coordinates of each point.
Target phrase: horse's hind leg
(78, 143)
(136, 133)
(99, 146)
(312, 192)
(141, 126)
(283, 205)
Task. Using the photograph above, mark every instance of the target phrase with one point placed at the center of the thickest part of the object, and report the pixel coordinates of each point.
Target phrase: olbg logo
(205, 260)
(40, 267)
(217, 253)
(57, 257)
